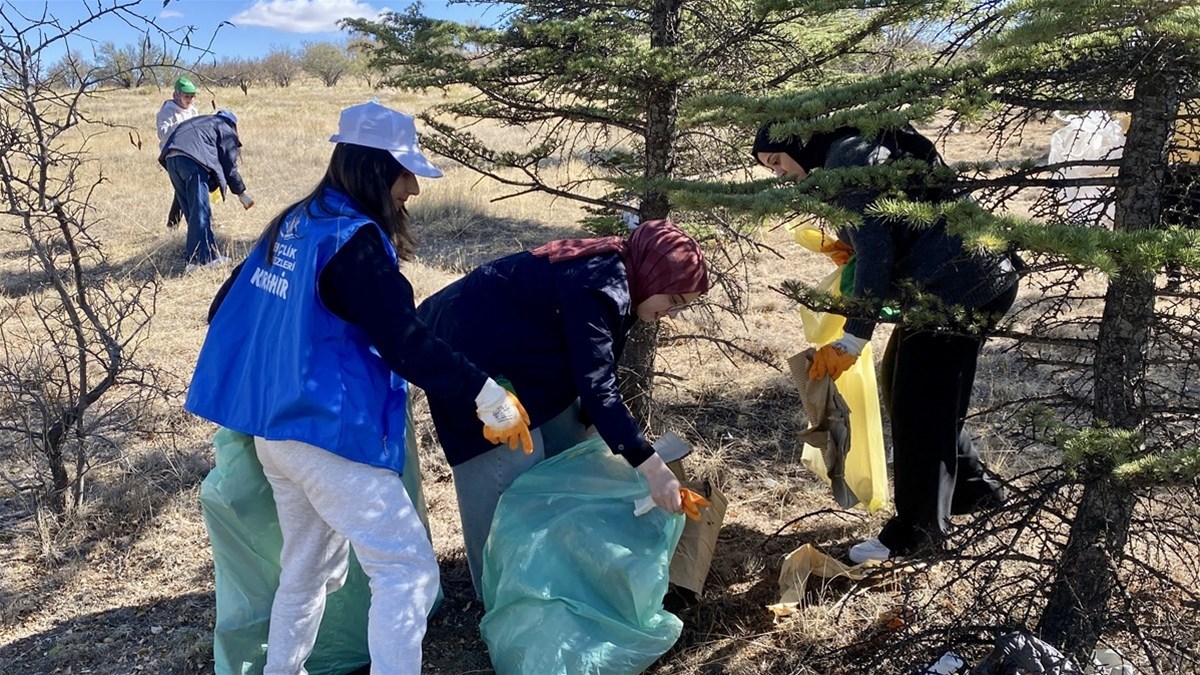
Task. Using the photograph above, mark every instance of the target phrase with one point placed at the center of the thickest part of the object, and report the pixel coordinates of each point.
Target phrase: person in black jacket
(553, 322)
(928, 371)
(201, 155)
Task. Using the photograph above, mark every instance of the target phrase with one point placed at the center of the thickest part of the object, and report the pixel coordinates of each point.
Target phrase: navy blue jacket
(213, 143)
(555, 331)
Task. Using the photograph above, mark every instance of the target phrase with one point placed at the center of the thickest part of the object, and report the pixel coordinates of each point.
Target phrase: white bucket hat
(375, 126)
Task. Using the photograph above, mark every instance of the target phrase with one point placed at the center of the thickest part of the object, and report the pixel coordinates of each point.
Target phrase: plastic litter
(1090, 137)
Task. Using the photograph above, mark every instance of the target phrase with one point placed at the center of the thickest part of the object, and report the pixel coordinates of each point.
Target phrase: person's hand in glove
(692, 503)
(837, 251)
(836, 357)
(246, 200)
(504, 418)
(664, 486)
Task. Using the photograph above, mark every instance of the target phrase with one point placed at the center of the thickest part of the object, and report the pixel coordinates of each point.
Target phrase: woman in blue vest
(312, 343)
(927, 371)
(553, 322)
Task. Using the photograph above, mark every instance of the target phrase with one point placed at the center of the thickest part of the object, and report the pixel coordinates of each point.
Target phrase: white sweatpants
(327, 504)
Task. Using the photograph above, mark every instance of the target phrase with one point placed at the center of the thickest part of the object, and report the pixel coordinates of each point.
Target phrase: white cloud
(302, 16)
(170, 14)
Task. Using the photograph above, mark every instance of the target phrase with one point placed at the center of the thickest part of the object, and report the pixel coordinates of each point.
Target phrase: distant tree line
(146, 64)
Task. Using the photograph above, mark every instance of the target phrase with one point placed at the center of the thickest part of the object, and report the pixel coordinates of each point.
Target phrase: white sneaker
(871, 549)
(211, 264)
(949, 664)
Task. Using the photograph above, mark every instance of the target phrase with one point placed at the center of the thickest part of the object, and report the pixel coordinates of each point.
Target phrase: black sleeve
(223, 291)
(362, 286)
(872, 242)
(592, 323)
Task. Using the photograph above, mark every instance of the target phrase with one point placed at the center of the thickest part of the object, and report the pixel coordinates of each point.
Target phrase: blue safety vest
(276, 363)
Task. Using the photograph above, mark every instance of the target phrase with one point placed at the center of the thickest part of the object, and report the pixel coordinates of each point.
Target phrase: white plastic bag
(1091, 137)
(1108, 662)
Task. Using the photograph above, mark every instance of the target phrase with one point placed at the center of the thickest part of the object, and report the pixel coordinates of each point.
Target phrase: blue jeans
(190, 181)
(479, 481)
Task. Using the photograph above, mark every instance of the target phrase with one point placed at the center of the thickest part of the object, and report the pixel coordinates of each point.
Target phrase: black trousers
(927, 378)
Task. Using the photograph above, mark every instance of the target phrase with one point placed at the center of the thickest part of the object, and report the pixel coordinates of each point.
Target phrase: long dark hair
(366, 175)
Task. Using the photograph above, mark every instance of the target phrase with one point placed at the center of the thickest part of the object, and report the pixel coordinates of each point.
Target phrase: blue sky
(258, 25)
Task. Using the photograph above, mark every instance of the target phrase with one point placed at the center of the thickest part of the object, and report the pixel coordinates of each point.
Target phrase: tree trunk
(1076, 611)
(637, 372)
(60, 481)
(662, 112)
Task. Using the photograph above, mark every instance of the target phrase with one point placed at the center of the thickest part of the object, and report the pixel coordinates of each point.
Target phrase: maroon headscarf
(659, 257)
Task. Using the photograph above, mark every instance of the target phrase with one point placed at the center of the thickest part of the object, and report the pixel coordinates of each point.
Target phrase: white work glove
(246, 200)
(504, 418)
(851, 344)
(664, 486)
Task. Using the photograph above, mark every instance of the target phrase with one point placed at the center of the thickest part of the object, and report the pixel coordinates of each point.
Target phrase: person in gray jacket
(200, 156)
(928, 368)
(181, 106)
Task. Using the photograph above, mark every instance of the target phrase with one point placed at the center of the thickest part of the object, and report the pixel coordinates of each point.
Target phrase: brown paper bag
(799, 567)
(694, 554)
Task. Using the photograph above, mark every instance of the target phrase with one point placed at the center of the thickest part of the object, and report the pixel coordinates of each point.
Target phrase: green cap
(185, 86)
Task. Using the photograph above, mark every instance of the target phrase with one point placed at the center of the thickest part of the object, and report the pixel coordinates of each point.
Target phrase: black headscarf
(904, 141)
(809, 155)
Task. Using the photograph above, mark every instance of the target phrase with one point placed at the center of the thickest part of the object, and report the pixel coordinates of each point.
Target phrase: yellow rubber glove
(837, 251)
(692, 503)
(832, 361)
(504, 418)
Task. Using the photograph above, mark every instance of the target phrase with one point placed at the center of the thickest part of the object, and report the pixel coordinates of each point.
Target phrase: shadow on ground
(463, 241)
(161, 259)
(122, 507)
(172, 636)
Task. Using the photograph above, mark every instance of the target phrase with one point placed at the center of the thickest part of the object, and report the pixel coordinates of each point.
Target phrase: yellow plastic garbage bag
(866, 463)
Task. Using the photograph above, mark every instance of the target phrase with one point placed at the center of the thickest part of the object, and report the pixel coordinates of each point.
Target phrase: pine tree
(1119, 388)
(604, 82)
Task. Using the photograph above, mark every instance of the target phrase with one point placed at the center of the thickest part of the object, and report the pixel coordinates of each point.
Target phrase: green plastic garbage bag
(243, 526)
(573, 582)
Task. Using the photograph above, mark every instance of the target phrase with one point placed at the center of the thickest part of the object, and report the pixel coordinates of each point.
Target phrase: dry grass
(134, 592)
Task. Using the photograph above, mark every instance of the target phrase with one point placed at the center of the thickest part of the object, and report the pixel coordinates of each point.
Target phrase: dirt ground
(128, 586)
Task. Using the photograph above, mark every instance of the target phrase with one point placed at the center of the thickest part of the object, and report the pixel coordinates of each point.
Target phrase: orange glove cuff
(692, 502)
(837, 251)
